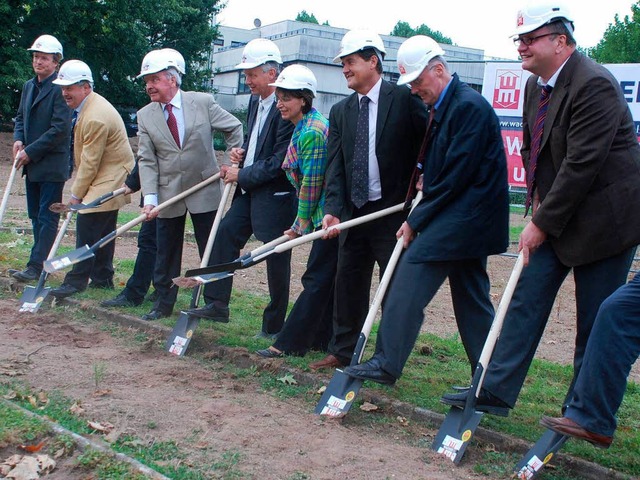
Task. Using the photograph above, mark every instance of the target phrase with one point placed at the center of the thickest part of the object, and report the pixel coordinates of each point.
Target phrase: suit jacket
(464, 212)
(400, 127)
(273, 198)
(102, 153)
(167, 170)
(588, 169)
(43, 125)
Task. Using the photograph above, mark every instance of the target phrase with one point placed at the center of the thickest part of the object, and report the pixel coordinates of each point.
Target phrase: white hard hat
(73, 71)
(158, 60)
(414, 55)
(296, 77)
(536, 14)
(46, 44)
(356, 40)
(258, 52)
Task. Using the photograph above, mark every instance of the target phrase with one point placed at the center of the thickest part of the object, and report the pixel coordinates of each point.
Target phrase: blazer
(400, 128)
(43, 125)
(167, 170)
(464, 211)
(102, 153)
(588, 170)
(273, 198)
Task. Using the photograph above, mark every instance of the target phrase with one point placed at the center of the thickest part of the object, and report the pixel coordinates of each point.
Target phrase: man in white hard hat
(462, 219)
(582, 159)
(41, 146)
(264, 202)
(175, 153)
(103, 159)
(374, 139)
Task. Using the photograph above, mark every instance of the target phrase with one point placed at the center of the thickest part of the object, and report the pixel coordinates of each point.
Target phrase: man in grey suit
(265, 202)
(582, 159)
(176, 152)
(41, 146)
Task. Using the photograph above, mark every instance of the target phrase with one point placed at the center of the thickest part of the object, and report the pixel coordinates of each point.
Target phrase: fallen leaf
(402, 420)
(4, 469)
(322, 389)
(102, 393)
(13, 460)
(47, 464)
(368, 407)
(11, 395)
(60, 453)
(42, 398)
(27, 469)
(33, 401)
(33, 448)
(76, 408)
(288, 379)
(105, 427)
(112, 436)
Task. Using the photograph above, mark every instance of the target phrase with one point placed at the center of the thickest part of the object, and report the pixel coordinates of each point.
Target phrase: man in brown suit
(103, 159)
(583, 175)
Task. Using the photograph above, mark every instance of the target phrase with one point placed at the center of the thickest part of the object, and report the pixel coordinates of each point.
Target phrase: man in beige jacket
(102, 157)
(175, 153)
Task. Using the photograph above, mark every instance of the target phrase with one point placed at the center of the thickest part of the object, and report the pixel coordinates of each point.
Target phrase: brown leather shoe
(566, 426)
(330, 361)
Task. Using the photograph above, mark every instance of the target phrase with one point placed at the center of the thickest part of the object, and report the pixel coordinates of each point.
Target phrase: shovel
(64, 208)
(180, 336)
(460, 424)
(86, 252)
(539, 455)
(32, 297)
(7, 189)
(342, 389)
(216, 272)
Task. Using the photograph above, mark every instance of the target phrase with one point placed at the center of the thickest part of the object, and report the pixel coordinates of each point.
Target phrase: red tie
(172, 123)
(536, 142)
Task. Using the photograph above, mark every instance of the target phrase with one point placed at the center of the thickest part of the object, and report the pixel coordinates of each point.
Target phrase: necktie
(74, 119)
(172, 123)
(411, 193)
(253, 139)
(536, 142)
(360, 174)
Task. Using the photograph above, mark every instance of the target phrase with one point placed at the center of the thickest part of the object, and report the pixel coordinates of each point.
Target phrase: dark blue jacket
(43, 125)
(465, 210)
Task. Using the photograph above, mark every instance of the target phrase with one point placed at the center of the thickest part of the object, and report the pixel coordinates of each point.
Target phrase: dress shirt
(375, 188)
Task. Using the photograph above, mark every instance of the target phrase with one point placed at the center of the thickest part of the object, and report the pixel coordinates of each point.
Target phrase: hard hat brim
(66, 83)
(409, 77)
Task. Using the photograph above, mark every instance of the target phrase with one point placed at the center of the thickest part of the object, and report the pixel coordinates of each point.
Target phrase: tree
(621, 41)
(403, 29)
(112, 37)
(303, 16)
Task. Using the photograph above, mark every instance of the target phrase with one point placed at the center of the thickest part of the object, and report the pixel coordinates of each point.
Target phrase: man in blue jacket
(462, 218)
(41, 145)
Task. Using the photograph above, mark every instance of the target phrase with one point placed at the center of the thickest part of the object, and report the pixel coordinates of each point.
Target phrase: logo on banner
(506, 93)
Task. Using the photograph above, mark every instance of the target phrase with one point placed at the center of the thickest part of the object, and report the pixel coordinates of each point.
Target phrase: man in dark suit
(583, 176)
(264, 202)
(41, 146)
(175, 153)
(463, 216)
(372, 156)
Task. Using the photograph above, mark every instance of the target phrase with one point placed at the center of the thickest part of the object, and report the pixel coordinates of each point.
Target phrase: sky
(483, 24)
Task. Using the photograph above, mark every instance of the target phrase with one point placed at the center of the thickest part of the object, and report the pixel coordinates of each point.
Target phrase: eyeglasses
(529, 40)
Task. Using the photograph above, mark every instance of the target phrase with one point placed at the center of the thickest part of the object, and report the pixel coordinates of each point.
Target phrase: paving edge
(242, 358)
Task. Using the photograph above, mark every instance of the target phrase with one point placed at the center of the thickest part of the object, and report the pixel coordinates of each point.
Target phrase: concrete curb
(242, 358)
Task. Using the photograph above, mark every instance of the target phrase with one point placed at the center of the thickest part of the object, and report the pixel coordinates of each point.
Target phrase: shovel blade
(339, 395)
(71, 258)
(181, 335)
(455, 432)
(221, 267)
(539, 455)
(32, 298)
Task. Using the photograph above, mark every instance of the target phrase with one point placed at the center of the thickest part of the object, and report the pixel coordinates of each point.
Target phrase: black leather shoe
(119, 300)
(155, 315)
(486, 402)
(268, 353)
(29, 274)
(371, 370)
(65, 290)
(211, 312)
(108, 285)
